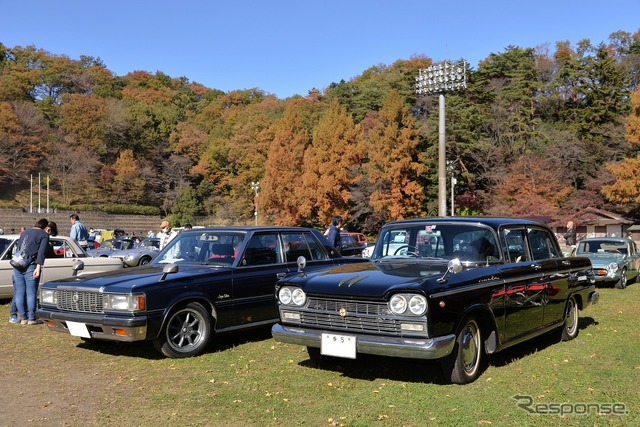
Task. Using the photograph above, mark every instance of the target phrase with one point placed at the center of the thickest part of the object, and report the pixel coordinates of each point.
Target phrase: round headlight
(398, 304)
(284, 295)
(418, 305)
(298, 296)
(613, 267)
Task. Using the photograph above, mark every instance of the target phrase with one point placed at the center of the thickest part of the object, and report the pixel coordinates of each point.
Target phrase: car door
(261, 265)
(58, 261)
(526, 278)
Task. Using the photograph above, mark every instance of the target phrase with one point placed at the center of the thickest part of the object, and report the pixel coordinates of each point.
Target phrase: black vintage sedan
(204, 281)
(451, 289)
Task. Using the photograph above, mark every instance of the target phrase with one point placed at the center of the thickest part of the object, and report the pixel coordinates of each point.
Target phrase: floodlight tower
(439, 79)
(255, 186)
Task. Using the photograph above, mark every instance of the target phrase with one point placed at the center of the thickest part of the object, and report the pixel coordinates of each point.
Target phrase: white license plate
(78, 329)
(338, 346)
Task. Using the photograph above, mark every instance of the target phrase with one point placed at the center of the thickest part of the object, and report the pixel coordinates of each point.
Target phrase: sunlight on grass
(251, 380)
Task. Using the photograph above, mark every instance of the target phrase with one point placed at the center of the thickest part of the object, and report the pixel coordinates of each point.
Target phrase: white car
(63, 253)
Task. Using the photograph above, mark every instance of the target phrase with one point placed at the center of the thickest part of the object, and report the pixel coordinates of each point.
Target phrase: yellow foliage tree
(626, 188)
(632, 126)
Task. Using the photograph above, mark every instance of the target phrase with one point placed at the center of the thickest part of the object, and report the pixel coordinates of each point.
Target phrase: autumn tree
(285, 158)
(23, 137)
(83, 119)
(393, 164)
(530, 187)
(72, 171)
(127, 186)
(327, 167)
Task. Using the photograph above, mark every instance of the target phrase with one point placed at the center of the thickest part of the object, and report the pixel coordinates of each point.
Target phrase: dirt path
(50, 379)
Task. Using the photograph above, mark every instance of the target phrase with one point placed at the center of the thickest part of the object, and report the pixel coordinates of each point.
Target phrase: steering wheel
(404, 250)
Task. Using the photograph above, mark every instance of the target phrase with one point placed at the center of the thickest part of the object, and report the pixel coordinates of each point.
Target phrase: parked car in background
(615, 260)
(359, 237)
(58, 263)
(108, 247)
(451, 289)
(140, 254)
(350, 246)
(205, 281)
(100, 235)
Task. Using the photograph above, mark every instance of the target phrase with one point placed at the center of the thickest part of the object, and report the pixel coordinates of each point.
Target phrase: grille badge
(343, 312)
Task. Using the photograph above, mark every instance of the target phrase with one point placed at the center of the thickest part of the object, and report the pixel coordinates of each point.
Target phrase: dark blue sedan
(205, 281)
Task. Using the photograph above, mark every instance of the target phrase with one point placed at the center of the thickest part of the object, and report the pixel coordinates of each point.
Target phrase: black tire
(462, 366)
(185, 333)
(144, 260)
(570, 325)
(622, 283)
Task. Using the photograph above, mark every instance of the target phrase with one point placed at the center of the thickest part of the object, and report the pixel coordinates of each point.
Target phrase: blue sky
(288, 47)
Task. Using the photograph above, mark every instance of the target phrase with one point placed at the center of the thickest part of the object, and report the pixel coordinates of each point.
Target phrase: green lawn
(250, 380)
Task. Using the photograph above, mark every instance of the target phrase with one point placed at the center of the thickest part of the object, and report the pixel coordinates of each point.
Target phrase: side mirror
(169, 269)
(78, 265)
(302, 263)
(453, 267)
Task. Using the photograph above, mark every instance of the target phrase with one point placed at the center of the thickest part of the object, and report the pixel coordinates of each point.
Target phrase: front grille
(86, 302)
(358, 317)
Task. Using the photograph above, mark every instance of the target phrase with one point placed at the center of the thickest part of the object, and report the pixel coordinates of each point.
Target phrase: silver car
(615, 260)
(140, 254)
(63, 252)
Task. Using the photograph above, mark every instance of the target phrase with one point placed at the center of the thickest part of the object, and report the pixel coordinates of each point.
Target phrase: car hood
(135, 279)
(604, 259)
(370, 279)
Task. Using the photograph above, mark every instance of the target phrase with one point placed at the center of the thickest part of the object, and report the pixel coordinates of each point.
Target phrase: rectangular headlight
(48, 296)
(124, 302)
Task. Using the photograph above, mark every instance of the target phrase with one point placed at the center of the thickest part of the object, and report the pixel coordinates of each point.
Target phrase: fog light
(413, 327)
(290, 316)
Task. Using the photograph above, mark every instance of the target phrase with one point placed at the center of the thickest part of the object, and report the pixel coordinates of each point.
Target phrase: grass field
(248, 379)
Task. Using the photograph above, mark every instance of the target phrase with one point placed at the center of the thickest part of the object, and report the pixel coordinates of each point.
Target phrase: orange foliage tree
(327, 164)
(532, 186)
(393, 162)
(283, 166)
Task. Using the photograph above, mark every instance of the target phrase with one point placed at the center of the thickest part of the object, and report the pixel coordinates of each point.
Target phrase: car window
(515, 245)
(262, 249)
(541, 244)
(302, 244)
(4, 244)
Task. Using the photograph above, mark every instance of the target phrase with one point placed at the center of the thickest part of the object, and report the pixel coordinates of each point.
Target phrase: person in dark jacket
(33, 244)
(334, 231)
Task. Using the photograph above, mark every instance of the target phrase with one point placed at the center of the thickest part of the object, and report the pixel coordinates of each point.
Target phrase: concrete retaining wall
(131, 224)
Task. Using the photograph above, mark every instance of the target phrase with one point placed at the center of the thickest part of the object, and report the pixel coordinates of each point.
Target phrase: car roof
(249, 228)
(487, 220)
(611, 239)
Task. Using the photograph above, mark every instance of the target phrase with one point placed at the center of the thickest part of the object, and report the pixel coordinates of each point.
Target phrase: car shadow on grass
(146, 349)
(369, 367)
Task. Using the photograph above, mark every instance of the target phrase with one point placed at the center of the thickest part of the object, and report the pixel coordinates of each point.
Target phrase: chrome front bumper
(99, 327)
(412, 348)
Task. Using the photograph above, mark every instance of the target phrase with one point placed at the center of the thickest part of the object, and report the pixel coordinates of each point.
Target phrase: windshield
(601, 247)
(466, 242)
(210, 247)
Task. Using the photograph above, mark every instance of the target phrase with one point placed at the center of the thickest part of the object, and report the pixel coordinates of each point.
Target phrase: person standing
(334, 231)
(166, 234)
(79, 232)
(33, 243)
